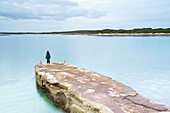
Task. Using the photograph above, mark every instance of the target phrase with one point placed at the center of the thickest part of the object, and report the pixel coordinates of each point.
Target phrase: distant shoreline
(104, 32)
(4, 34)
(120, 34)
(97, 34)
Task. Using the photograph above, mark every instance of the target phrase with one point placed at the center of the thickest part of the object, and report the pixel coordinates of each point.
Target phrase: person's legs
(48, 61)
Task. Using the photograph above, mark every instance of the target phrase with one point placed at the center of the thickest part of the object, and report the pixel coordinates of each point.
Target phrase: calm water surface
(140, 62)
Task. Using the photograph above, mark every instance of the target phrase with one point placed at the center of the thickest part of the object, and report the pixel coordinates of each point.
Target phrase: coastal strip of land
(98, 34)
(105, 32)
(120, 34)
(76, 90)
(3, 34)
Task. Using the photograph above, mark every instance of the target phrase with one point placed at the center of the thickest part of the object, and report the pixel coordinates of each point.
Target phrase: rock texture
(80, 91)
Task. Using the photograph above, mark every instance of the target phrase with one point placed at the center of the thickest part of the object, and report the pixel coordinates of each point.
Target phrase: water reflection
(49, 102)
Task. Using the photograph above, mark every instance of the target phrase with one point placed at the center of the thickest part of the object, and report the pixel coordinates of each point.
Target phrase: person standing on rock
(48, 56)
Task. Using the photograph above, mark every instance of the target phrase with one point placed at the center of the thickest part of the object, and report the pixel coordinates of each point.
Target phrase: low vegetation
(138, 30)
(143, 30)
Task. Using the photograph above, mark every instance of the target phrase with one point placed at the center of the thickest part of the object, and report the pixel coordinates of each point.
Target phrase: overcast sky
(61, 15)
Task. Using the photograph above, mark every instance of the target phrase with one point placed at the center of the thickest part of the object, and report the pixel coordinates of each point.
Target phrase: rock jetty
(76, 90)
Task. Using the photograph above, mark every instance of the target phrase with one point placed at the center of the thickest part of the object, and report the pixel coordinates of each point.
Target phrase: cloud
(45, 9)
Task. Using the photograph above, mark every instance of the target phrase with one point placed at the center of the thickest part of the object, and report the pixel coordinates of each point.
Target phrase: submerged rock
(80, 91)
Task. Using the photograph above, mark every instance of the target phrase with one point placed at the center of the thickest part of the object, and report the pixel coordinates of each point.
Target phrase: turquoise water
(140, 62)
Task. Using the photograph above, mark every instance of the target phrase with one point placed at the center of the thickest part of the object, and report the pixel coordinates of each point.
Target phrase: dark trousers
(48, 61)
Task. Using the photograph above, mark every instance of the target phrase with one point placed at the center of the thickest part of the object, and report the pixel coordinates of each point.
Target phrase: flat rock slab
(97, 88)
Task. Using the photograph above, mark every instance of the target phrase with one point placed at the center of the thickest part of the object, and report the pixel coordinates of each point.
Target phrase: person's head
(47, 52)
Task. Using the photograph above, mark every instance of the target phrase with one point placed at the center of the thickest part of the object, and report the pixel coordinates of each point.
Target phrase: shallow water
(140, 62)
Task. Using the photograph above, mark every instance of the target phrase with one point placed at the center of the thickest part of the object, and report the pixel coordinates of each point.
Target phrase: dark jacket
(48, 56)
